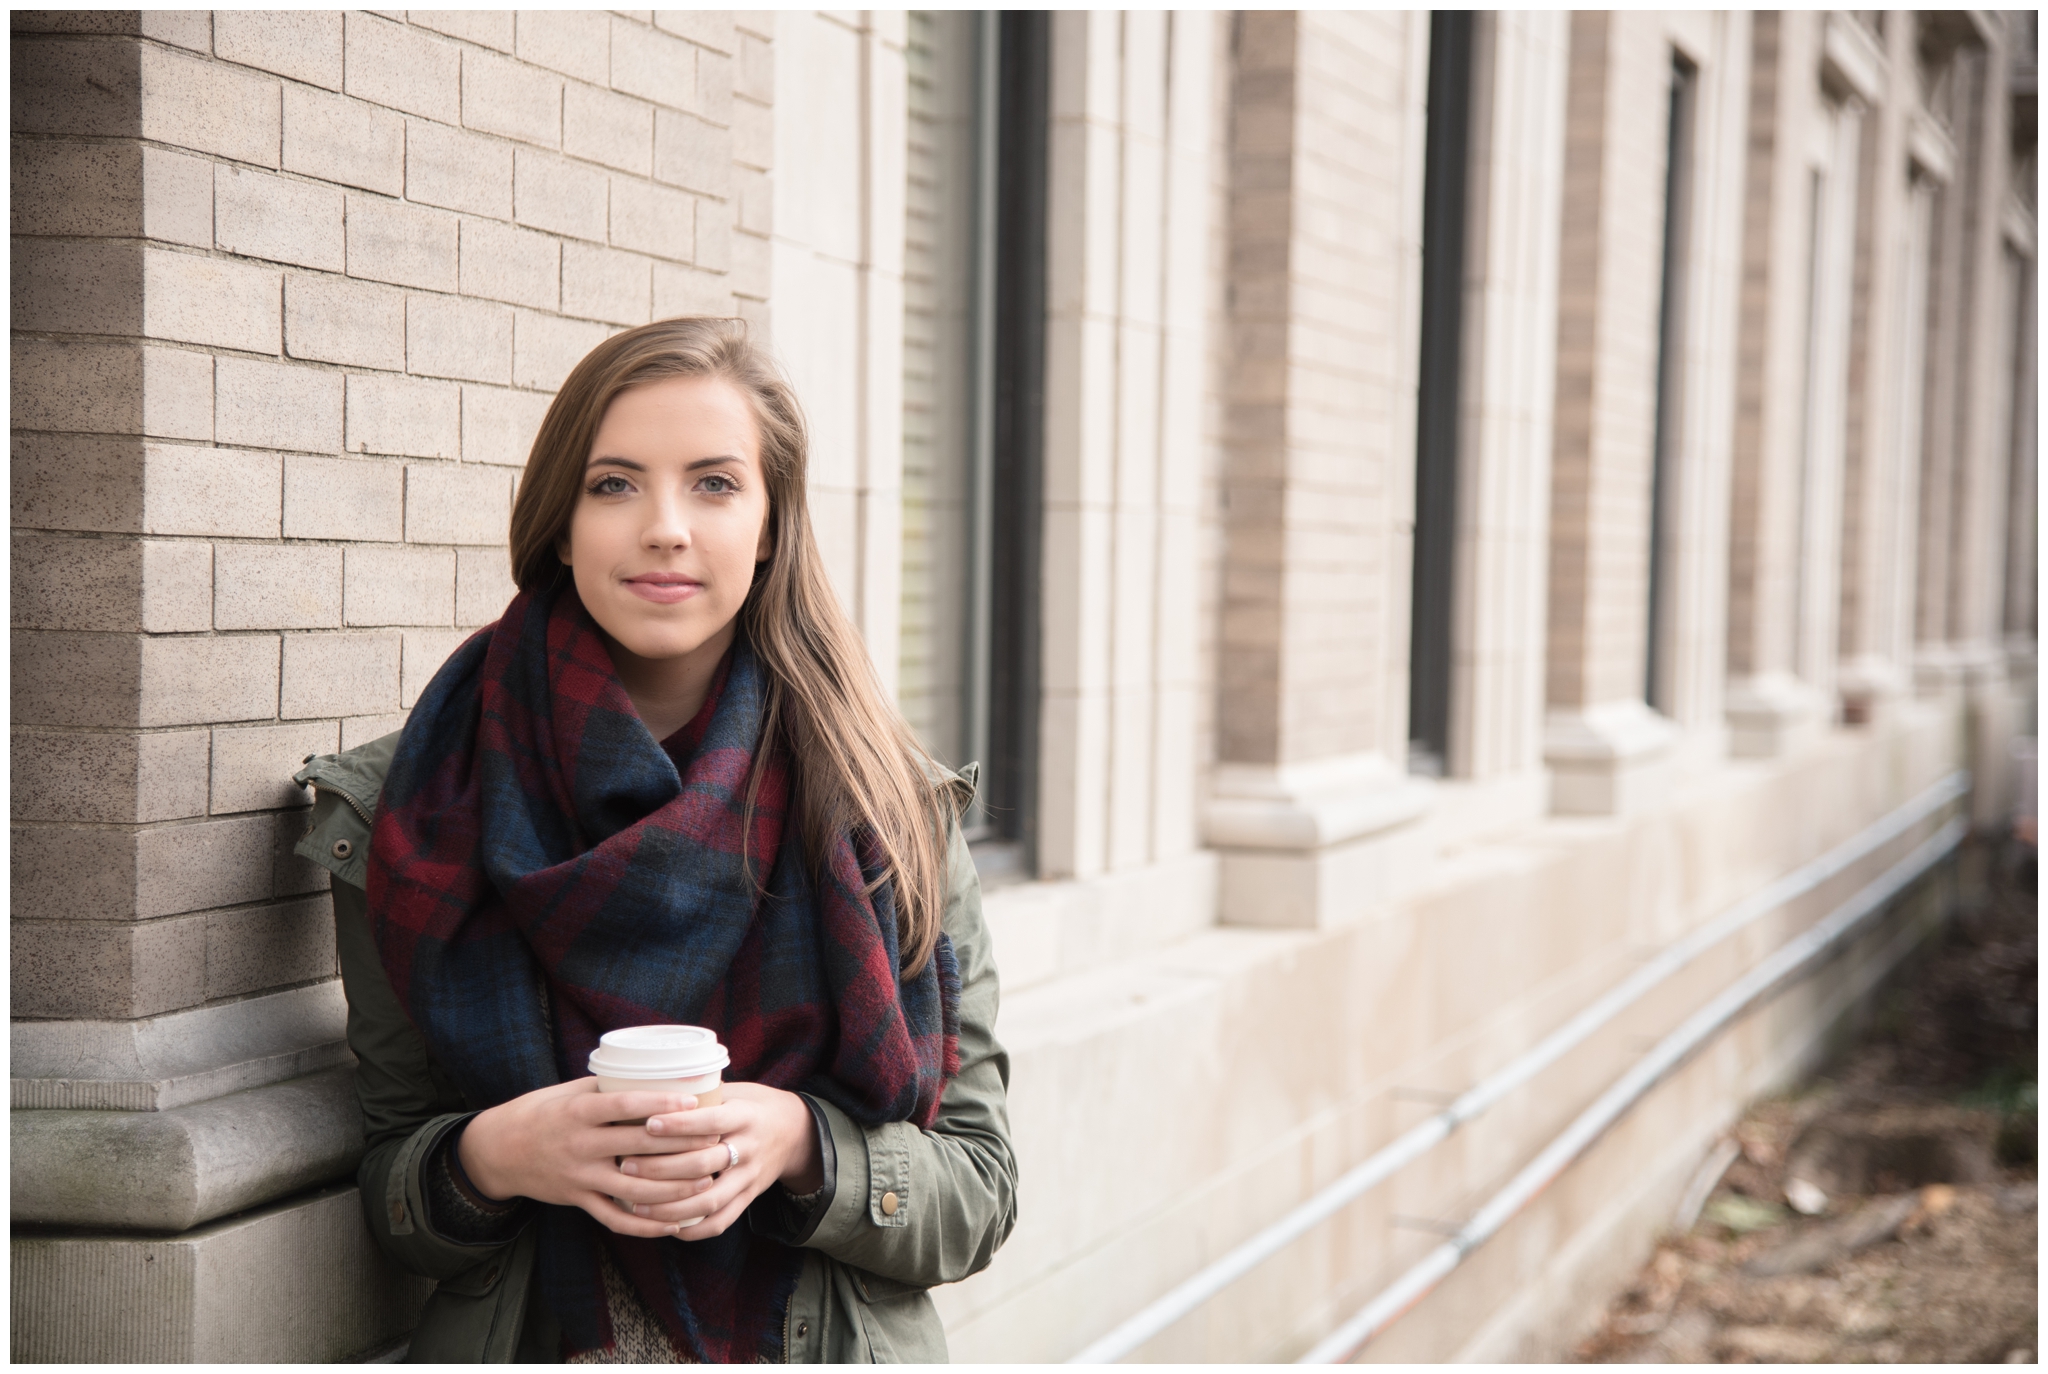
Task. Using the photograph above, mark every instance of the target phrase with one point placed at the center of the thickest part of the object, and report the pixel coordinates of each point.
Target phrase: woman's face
(672, 517)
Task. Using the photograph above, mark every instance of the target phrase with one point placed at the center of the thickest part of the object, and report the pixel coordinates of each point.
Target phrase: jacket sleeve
(928, 1207)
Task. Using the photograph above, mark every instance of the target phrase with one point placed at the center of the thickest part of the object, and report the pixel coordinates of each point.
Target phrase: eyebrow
(642, 467)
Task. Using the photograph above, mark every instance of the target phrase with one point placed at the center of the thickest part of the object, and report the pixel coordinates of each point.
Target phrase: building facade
(1414, 513)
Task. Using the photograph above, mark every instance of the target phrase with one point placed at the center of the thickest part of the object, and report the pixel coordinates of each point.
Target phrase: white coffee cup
(661, 1059)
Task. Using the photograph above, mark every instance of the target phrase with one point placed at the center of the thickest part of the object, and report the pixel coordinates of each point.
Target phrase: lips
(663, 588)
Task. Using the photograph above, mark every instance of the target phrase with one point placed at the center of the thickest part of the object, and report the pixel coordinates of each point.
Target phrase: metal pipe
(1670, 1052)
(1192, 1292)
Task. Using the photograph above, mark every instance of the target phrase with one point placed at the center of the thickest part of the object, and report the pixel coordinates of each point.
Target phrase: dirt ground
(1885, 1212)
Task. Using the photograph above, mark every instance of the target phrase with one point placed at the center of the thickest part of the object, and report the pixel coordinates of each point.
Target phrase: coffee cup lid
(658, 1052)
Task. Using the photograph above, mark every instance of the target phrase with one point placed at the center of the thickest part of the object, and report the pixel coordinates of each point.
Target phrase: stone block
(96, 388)
(339, 320)
(486, 28)
(176, 1169)
(545, 348)
(210, 491)
(653, 65)
(498, 426)
(446, 503)
(157, 586)
(448, 336)
(404, 415)
(185, 28)
(110, 969)
(339, 498)
(342, 140)
(277, 405)
(277, 587)
(688, 291)
(425, 652)
(754, 206)
(693, 154)
(483, 585)
(179, 1058)
(204, 681)
(575, 43)
(212, 301)
(511, 99)
(87, 88)
(101, 874)
(64, 678)
(755, 75)
(71, 287)
(350, 674)
(401, 67)
(362, 729)
(716, 77)
(604, 127)
(208, 107)
(252, 765)
(406, 245)
(252, 949)
(553, 193)
(605, 284)
(457, 170)
(190, 1298)
(108, 778)
(654, 219)
(711, 29)
(304, 45)
(501, 263)
(714, 246)
(401, 585)
(753, 134)
(259, 215)
(64, 188)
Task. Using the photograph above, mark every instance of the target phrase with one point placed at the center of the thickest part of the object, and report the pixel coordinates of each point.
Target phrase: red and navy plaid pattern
(542, 871)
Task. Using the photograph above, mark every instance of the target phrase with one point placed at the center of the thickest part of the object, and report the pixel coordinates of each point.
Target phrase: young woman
(665, 788)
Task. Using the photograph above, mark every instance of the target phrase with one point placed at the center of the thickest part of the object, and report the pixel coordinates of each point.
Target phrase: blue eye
(725, 485)
(610, 485)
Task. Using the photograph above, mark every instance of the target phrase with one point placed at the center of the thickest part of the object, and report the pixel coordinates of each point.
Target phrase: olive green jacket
(907, 1208)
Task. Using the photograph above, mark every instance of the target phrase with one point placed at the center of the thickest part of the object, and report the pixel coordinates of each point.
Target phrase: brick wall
(291, 294)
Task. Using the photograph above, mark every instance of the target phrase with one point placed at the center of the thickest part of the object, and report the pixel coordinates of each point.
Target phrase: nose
(668, 525)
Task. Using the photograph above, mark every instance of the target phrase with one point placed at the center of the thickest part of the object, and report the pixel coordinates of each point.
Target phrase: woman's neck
(668, 692)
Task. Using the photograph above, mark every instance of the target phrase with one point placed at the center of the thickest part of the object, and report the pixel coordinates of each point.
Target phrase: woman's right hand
(559, 1145)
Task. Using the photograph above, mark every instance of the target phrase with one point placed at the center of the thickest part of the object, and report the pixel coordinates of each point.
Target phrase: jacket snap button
(397, 1214)
(342, 849)
(803, 1328)
(890, 1202)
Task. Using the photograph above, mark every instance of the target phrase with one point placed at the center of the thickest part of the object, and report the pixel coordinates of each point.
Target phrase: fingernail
(654, 1126)
(629, 1167)
(639, 1209)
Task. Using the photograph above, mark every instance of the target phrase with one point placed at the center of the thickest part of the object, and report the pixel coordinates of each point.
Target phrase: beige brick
(717, 77)
(342, 140)
(107, 970)
(688, 291)
(404, 415)
(501, 96)
(754, 206)
(209, 107)
(210, 491)
(267, 947)
(400, 585)
(605, 284)
(276, 587)
(425, 652)
(108, 778)
(488, 28)
(498, 425)
(754, 77)
(362, 729)
(81, 88)
(403, 68)
(753, 134)
(340, 320)
(112, 389)
(501, 263)
(119, 189)
(77, 287)
(76, 482)
(714, 245)
(348, 674)
(616, 130)
(483, 585)
(573, 42)
(259, 215)
(693, 154)
(341, 498)
(214, 301)
(545, 348)
(407, 245)
(158, 586)
(553, 193)
(653, 65)
(450, 504)
(458, 170)
(653, 219)
(447, 336)
(711, 29)
(208, 680)
(277, 405)
(185, 28)
(302, 44)
(253, 764)
(61, 678)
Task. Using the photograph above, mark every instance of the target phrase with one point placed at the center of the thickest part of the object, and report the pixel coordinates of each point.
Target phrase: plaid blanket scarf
(542, 871)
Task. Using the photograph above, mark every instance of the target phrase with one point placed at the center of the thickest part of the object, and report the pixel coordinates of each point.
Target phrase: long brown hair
(853, 761)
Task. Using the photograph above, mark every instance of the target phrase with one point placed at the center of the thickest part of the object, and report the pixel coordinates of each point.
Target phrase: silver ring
(734, 1152)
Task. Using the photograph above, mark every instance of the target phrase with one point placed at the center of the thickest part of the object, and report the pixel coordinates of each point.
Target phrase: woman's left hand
(777, 1143)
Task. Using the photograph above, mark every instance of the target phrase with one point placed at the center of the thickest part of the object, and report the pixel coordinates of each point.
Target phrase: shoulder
(346, 787)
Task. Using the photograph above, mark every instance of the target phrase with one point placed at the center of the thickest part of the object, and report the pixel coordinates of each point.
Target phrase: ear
(562, 550)
(764, 547)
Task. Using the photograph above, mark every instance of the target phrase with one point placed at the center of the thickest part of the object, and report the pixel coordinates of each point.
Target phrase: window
(1670, 376)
